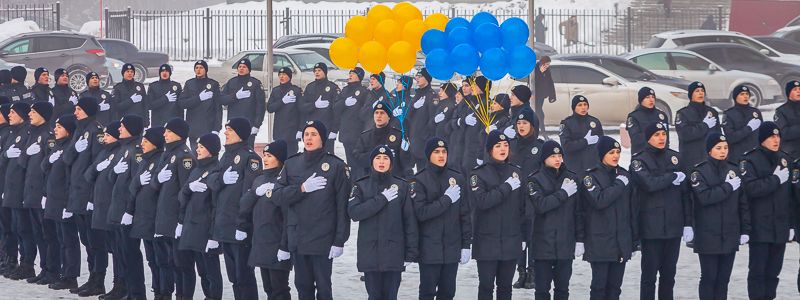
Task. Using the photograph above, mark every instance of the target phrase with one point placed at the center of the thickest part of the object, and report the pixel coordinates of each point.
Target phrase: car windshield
(627, 70)
(306, 61)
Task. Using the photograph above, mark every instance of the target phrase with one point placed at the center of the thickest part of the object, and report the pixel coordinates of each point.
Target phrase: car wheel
(77, 80)
(756, 97)
(141, 73)
(665, 108)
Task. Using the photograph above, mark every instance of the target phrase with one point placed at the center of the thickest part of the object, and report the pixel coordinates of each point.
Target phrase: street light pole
(270, 65)
(531, 16)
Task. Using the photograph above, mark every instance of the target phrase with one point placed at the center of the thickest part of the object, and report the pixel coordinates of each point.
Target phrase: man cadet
(40, 90)
(64, 98)
(445, 110)
(579, 134)
(693, 123)
(419, 118)
(283, 103)
(316, 183)
(519, 99)
(317, 103)
(17, 91)
(244, 96)
(200, 99)
(377, 94)
(474, 133)
(162, 97)
(741, 123)
(644, 114)
(129, 95)
(13, 178)
(106, 113)
(9, 240)
(787, 117)
(348, 107)
(382, 133)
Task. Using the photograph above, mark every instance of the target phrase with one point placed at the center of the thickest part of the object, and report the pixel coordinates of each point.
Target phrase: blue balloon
(487, 36)
(521, 61)
(438, 65)
(456, 23)
(464, 59)
(482, 18)
(515, 33)
(433, 39)
(458, 36)
(494, 64)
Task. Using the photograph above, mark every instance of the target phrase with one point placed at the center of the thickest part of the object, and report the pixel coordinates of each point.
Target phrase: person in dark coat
(544, 89)
(162, 97)
(388, 239)
(377, 94)
(444, 222)
(196, 212)
(318, 103)
(475, 131)
(64, 98)
(14, 181)
(283, 103)
(456, 128)
(348, 106)
(579, 134)
(401, 101)
(244, 97)
(644, 114)
(609, 220)
(419, 117)
(519, 99)
(200, 98)
(709, 23)
(740, 123)
(787, 117)
(106, 112)
(693, 123)
(446, 109)
(16, 90)
(40, 91)
(129, 96)
(557, 224)
(539, 29)
(316, 183)
(721, 217)
(765, 178)
(382, 133)
(8, 260)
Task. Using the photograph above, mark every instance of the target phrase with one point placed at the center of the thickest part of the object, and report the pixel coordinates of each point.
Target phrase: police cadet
(197, 215)
(445, 110)
(17, 91)
(5, 81)
(162, 97)
(237, 169)
(445, 226)
(400, 98)
(9, 240)
(519, 100)
(420, 125)
(765, 179)
(557, 224)
(128, 96)
(665, 211)
(609, 220)
(348, 106)
(64, 98)
(382, 133)
(721, 217)
(387, 236)
(693, 123)
(55, 206)
(172, 169)
(264, 220)
(644, 114)
(377, 94)
(199, 98)
(787, 117)
(40, 90)
(740, 124)
(105, 114)
(579, 134)
(283, 103)
(474, 133)
(317, 103)
(244, 97)
(455, 130)
(14, 177)
(316, 183)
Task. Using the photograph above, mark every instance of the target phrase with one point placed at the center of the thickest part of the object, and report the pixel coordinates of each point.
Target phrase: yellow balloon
(402, 57)
(344, 53)
(405, 12)
(412, 33)
(358, 29)
(436, 21)
(378, 13)
(387, 32)
(372, 57)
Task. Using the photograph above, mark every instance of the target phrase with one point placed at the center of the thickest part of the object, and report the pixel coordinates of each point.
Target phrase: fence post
(58, 15)
(129, 21)
(452, 12)
(719, 17)
(105, 19)
(628, 28)
(209, 34)
(287, 23)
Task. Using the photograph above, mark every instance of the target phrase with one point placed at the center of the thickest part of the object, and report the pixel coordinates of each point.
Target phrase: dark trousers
(210, 274)
(155, 273)
(557, 272)
(312, 275)
(766, 261)
(37, 229)
(185, 278)
(162, 247)
(97, 242)
(276, 284)
(659, 259)
(539, 111)
(382, 285)
(525, 259)
(114, 246)
(10, 241)
(70, 248)
(499, 272)
(22, 228)
(132, 259)
(715, 273)
(606, 280)
(84, 223)
(241, 275)
(50, 255)
(437, 281)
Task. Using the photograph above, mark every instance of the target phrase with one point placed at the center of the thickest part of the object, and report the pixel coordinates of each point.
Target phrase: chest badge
(208, 86)
(674, 160)
(172, 159)
(327, 89)
(394, 187)
(709, 114)
(325, 167)
(174, 88)
(138, 88)
(150, 167)
(534, 150)
(103, 96)
(452, 181)
(111, 157)
(19, 138)
(204, 174)
(731, 174)
(783, 162)
(755, 114)
(592, 124)
(269, 193)
(39, 139)
(237, 159)
(515, 175)
(249, 84)
(392, 138)
(661, 116)
(357, 93)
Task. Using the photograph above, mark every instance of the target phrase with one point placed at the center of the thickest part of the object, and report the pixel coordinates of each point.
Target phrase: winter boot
(98, 286)
(37, 278)
(49, 278)
(64, 283)
(118, 291)
(24, 271)
(83, 286)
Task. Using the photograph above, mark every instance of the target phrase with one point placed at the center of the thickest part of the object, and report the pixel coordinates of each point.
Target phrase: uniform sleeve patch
(587, 182)
(531, 188)
(473, 181)
(636, 165)
(743, 167)
(187, 163)
(254, 164)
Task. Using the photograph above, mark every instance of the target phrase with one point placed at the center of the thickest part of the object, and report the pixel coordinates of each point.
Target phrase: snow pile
(430, 5)
(17, 26)
(91, 28)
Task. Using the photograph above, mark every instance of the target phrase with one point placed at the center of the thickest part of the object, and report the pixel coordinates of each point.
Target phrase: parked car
(145, 62)
(626, 69)
(719, 81)
(77, 53)
(790, 33)
(301, 61)
(114, 73)
(781, 44)
(300, 39)
(675, 39)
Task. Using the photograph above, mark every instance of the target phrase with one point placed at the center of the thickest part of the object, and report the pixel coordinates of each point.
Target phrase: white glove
(171, 97)
(688, 234)
(569, 186)
(55, 156)
(743, 239)
(634, 253)
(33, 149)
(121, 167)
(335, 252)
(681, 177)
(321, 103)
(579, 250)
(205, 95)
(591, 139)
(454, 193)
(104, 106)
(73, 99)
(289, 98)
(513, 182)
(242, 94)
(212, 244)
(65, 214)
(298, 136)
(466, 254)
(439, 118)
(419, 102)
(470, 119)
(524, 245)
(44, 202)
(136, 98)
(783, 174)
(89, 206)
(164, 175)
(492, 127)
(261, 190)
(197, 186)
(623, 178)
(314, 183)
(145, 177)
(404, 145)
(350, 101)
(390, 194)
(735, 182)
(479, 161)
(102, 165)
(332, 135)
(127, 219)
(510, 132)
(791, 234)
(710, 121)
(283, 255)
(241, 235)
(397, 111)
(754, 124)
(13, 152)
(230, 176)
(254, 130)
(81, 144)
(178, 230)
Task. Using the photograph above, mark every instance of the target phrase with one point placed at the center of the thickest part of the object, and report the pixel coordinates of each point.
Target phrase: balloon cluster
(465, 46)
(384, 36)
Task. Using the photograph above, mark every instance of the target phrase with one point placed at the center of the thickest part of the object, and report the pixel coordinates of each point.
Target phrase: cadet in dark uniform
(105, 114)
(579, 134)
(14, 180)
(400, 99)
(665, 211)
(244, 97)
(40, 91)
(317, 102)
(162, 97)
(5, 81)
(787, 117)
(64, 98)
(196, 212)
(445, 225)
(740, 124)
(693, 123)
(316, 183)
(609, 220)
(200, 99)
(128, 96)
(445, 110)
(382, 133)
(377, 94)
(721, 216)
(644, 114)
(283, 103)
(348, 106)
(9, 240)
(557, 224)
(237, 169)
(765, 178)
(387, 236)
(519, 100)
(17, 91)
(419, 118)
(474, 131)
(455, 131)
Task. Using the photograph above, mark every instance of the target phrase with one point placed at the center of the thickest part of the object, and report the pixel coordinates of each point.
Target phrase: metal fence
(47, 16)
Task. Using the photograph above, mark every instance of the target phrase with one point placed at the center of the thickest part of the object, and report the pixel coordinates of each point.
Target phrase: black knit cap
(5, 76)
(155, 135)
(382, 149)
(5, 109)
(322, 66)
(424, 73)
(527, 114)
(605, 144)
(134, 124)
(211, 142)
(320, 127)
(483, 84)
(38, 72)
(127, 67)
(359, 72)
(695, 85)
(652, 128)
(287, 71)
(713, 139)
(179, 127)
(241, 126)
(88, 105)
(380, 77)
(450, 90)
(766, 130)
(495, 137)
(523, 93)
(22, 109)
(58, 73)
(549, 148)
(790, 86)
(69, 122)
(202, 63)
(277, 148)
(406, 81)
(19, 73)
(165, 67)
(432, 144)
(90, 75)
(246, 62)
(738, 90)
(44, 109)
(644, 92)
(113, 129)
(504, 100)
(384, 107)
(578, 99)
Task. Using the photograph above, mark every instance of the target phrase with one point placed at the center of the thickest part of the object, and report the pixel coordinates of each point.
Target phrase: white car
(719, 81)
(675, 39)
(790, 33)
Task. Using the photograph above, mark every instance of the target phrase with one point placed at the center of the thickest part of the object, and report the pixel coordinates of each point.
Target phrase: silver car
(675, 39)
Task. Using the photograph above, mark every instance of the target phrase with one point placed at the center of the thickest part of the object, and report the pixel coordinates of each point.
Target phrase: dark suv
(77, 53)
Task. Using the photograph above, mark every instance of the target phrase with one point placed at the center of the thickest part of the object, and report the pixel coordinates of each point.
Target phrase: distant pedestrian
(569, 29)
